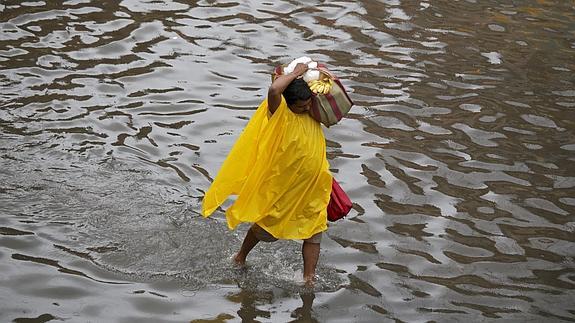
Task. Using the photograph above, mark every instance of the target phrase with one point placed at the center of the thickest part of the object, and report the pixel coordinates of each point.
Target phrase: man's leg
(310, 252)
(250, 241)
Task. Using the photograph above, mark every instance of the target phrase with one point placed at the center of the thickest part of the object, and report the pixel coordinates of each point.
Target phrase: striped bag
(330, 108)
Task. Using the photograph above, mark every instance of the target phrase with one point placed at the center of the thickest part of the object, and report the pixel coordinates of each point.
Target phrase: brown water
(114, 117)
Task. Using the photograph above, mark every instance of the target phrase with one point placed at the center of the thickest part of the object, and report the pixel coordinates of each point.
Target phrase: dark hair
(296, 90)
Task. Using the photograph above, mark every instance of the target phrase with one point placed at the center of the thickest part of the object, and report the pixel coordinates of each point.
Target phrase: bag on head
(330, 107)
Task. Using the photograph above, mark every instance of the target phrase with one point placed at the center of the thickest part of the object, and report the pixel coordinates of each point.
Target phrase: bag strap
(323, 69)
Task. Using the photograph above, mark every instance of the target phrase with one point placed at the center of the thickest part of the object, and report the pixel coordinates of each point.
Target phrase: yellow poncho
(278, 169)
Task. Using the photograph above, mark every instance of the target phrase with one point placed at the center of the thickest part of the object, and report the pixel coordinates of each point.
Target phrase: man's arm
(280, 84)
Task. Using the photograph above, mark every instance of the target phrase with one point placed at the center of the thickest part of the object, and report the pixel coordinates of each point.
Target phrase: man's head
(298, 96)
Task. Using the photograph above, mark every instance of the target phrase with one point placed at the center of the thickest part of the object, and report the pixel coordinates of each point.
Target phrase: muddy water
(116, 115)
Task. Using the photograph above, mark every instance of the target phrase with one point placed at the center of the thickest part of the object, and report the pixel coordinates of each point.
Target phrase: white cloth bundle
(312, 72)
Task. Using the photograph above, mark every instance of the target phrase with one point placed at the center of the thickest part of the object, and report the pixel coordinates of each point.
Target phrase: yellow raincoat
(279, 171)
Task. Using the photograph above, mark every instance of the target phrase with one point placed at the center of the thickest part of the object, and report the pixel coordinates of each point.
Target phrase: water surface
(116, 115)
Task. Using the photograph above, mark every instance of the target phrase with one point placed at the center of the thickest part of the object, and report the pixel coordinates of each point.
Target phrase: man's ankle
(309, 280)
(239, 259)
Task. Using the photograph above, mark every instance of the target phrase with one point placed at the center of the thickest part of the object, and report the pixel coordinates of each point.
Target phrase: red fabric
(339, 203)
(314, 110)
(334, 106)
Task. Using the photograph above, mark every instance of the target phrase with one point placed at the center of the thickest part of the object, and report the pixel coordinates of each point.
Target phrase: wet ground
(116, 115)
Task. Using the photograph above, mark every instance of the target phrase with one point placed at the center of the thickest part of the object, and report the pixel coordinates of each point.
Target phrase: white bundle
(312, 72)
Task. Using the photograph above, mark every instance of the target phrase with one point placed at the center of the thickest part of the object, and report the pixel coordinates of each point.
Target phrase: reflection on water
(115, 117)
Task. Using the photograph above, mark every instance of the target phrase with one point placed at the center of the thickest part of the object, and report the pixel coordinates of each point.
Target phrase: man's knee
(316, 238)
(261, 234)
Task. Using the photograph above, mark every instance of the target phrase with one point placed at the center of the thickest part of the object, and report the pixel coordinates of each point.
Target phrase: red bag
(339, 203)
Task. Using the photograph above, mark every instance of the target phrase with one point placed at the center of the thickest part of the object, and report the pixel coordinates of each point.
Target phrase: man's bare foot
(239, 260)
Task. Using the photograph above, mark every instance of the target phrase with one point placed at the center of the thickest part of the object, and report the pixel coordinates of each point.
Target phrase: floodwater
(458, 155)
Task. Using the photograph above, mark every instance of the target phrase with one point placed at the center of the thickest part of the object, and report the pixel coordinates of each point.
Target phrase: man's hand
(300, 69)
(279, 85)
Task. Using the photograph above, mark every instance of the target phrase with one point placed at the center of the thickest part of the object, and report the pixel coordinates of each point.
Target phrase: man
(279, 170)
